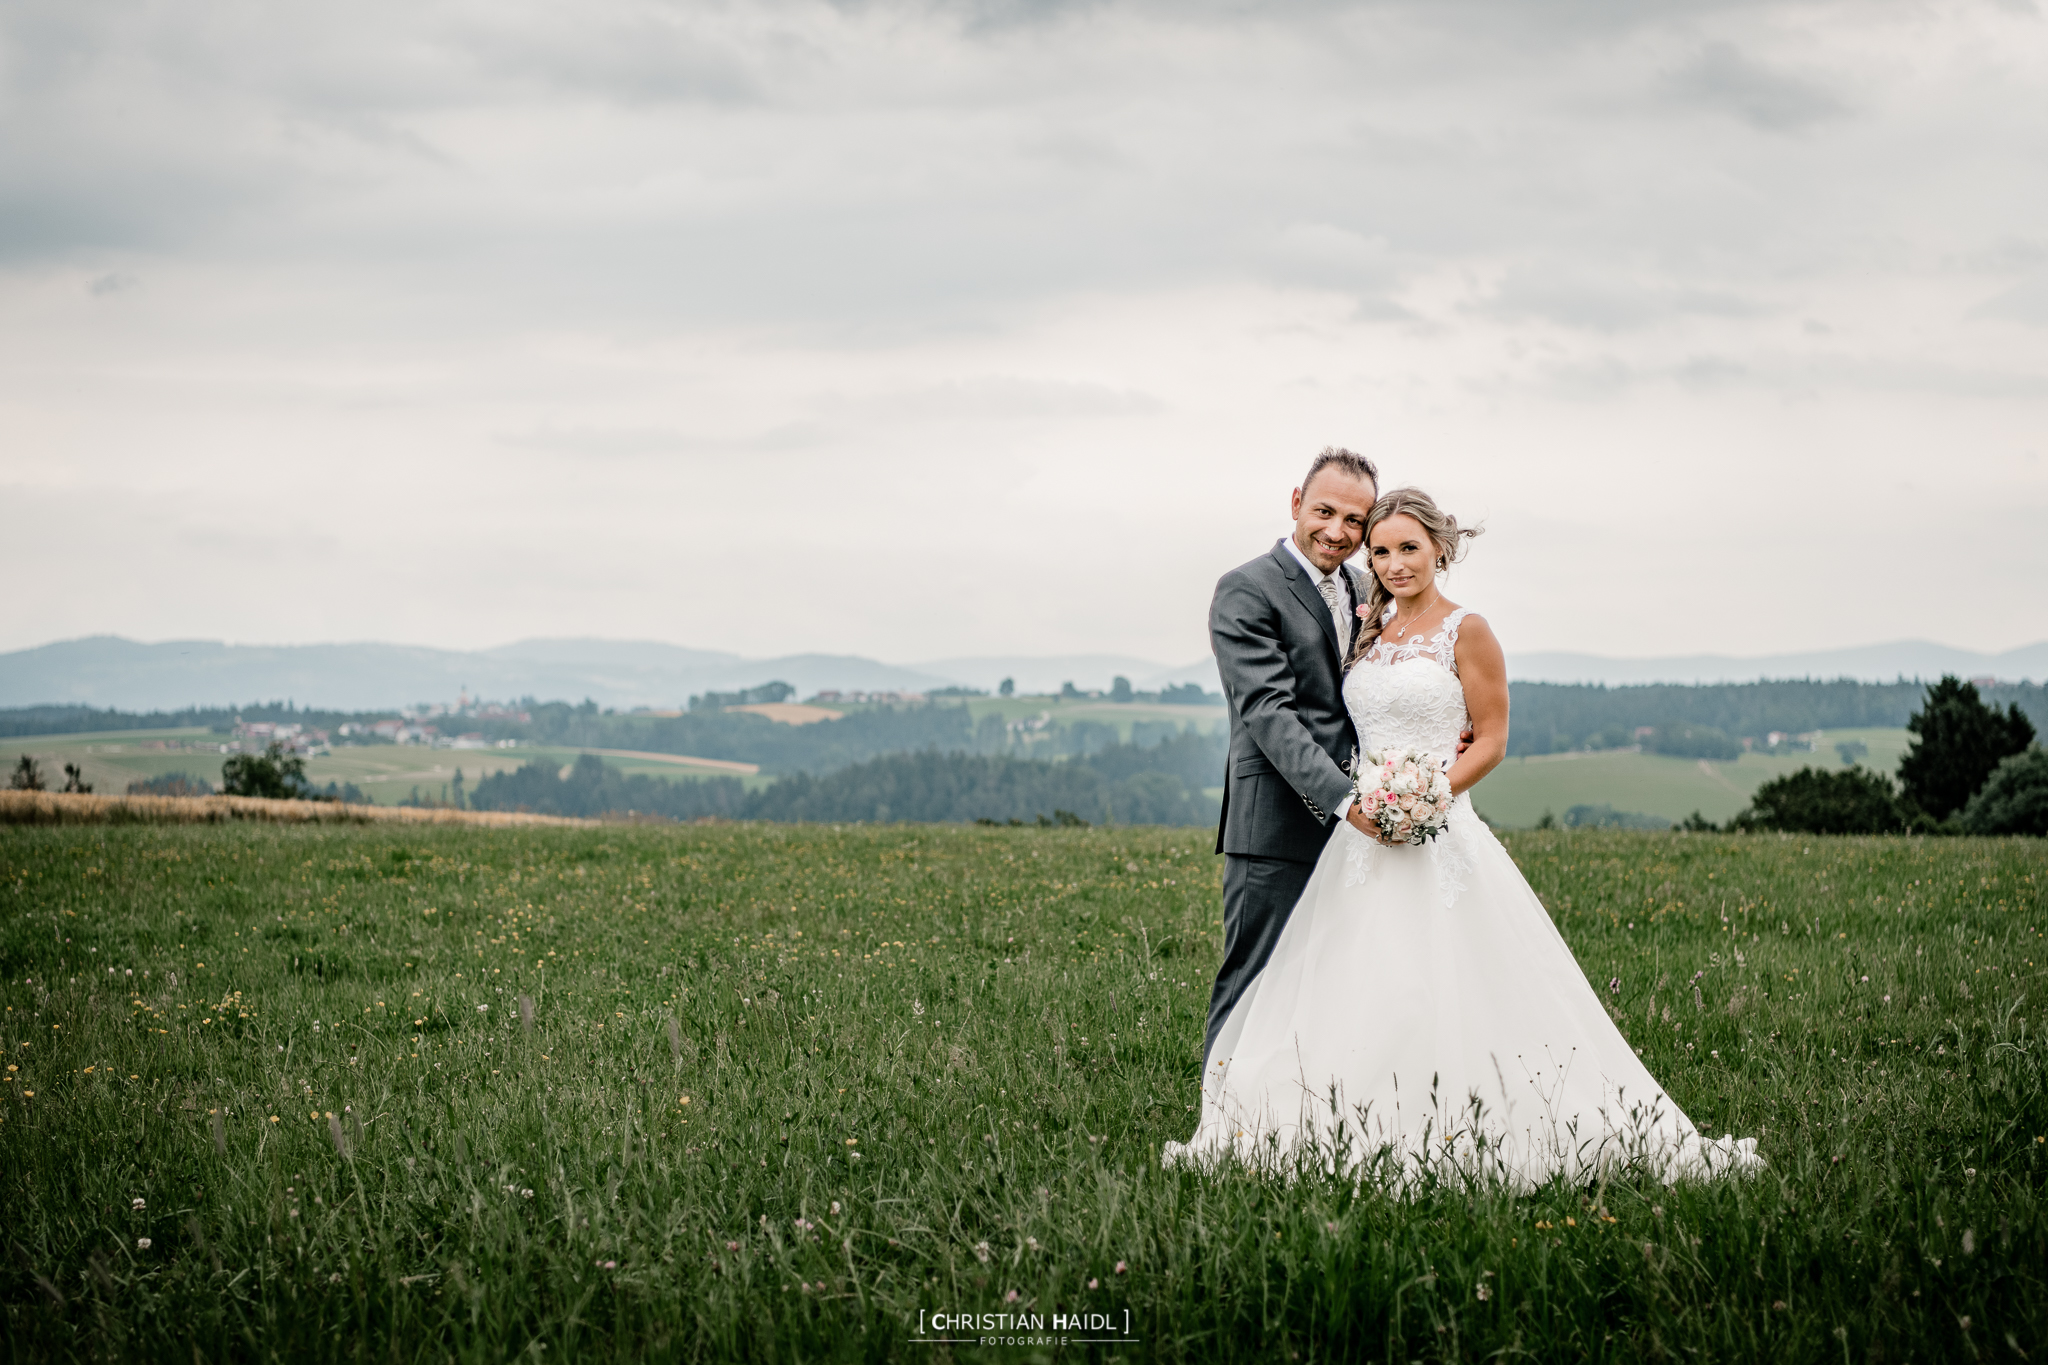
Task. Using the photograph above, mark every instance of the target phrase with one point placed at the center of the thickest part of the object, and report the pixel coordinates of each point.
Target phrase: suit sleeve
(1244, 630)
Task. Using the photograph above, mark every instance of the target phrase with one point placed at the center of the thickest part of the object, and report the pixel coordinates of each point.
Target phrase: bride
(1420, 1009)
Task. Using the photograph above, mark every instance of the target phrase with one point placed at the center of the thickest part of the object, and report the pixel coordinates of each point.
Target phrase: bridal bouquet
(1406, 793)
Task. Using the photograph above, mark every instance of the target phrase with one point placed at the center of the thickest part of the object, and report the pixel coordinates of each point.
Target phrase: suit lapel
(1297, 579)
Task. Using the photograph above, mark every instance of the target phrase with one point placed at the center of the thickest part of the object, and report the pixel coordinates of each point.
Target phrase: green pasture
(1122, 716)
(785, 1092)
(1518, 792)
(386, 773)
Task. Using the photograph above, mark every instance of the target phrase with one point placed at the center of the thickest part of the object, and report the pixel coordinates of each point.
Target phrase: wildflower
(138, 1204)
(481, 1008)
(981, 1252)
(1330, 1226)
(1614, 984)
(607, 1265)
(1121, 1268)
(1483, 1291)
(1094, 1283)
(526, 1194)
(142, 1244)
(835, 1208)
(1012, 1296)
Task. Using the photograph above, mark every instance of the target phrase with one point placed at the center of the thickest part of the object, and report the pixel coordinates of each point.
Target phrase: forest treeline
(1555, 717)
(1125, 784)
(1706, 721)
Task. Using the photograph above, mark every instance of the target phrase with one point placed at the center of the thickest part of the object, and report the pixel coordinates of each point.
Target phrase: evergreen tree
(1958, 743)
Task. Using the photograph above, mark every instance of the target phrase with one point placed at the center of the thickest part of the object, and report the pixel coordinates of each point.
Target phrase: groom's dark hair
(1350, 461)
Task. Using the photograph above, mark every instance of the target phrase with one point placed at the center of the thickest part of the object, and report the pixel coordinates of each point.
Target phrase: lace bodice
(1406, 695)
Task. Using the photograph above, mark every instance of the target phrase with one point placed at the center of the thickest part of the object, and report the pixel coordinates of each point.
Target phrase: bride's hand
(1366, 827)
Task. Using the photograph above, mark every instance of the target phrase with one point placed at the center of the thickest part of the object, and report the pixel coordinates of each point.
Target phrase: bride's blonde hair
(1444, 532)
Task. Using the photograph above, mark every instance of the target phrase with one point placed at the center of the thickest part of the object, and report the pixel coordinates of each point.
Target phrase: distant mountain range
(108, 671)
(1909, 659)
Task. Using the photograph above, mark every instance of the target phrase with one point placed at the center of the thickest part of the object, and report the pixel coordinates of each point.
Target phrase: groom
(1281, 626)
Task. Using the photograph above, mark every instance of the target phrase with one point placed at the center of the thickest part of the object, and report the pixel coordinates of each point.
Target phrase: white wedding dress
(1420, 1010)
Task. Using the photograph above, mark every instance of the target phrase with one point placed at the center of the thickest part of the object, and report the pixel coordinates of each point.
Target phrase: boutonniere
(1363, 613)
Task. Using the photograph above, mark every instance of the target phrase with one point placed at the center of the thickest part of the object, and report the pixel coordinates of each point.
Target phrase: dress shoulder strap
(1448, 633)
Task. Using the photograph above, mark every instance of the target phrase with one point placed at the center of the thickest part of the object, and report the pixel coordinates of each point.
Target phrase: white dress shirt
(1317, 577)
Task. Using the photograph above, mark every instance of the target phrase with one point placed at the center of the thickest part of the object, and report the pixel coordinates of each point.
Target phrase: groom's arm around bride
(1280, 626)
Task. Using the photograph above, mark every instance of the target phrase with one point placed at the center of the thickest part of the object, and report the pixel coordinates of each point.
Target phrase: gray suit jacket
(1291, 739)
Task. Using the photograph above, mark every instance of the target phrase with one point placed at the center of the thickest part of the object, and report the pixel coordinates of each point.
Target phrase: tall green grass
(928, 1069)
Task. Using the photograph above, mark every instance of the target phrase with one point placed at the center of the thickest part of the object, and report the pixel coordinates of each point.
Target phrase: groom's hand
(1464, 741)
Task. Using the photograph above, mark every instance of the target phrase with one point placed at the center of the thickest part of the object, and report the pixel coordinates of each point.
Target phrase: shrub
(275, 773)
(2015, 800)
(1958, 742)
(1812, 801)
(170, 784)
(28, 775)
(1607, 817)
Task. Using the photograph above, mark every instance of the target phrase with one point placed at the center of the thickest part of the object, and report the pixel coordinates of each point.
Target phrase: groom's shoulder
(1263, 570)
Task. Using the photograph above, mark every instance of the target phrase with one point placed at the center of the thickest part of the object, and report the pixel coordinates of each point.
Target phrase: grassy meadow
(386, 773)
(1518, 792)
(786, 1092)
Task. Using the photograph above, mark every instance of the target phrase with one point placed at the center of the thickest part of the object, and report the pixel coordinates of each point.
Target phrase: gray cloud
(570, 278)
(1721, 77)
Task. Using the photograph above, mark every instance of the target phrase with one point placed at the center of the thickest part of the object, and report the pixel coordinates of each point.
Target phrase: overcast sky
(917, 330)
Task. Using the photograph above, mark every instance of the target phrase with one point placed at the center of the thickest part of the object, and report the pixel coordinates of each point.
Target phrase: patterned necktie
(1334, 595)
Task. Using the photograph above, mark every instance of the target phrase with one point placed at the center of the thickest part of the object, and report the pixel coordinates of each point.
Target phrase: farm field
(1518, 792)
(785, 1092)
(387, 773)
(1208, 719)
